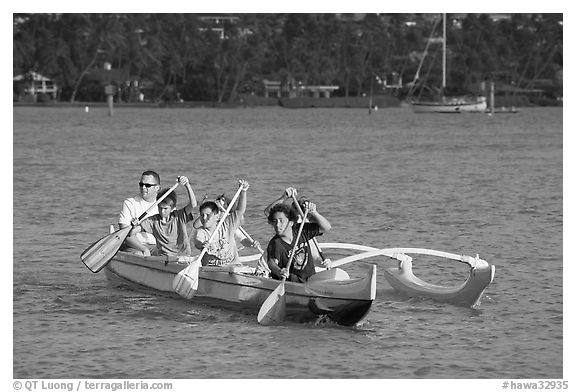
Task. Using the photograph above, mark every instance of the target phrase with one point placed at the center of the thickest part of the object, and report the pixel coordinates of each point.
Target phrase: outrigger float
(403, 280)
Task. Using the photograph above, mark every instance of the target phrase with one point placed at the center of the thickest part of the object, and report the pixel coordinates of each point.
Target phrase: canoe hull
(345, 301)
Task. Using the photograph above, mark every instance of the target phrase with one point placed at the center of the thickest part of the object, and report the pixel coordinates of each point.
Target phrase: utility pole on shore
(109, 90)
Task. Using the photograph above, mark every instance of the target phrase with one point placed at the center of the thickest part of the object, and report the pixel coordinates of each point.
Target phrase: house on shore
(33, 87)
(293, 90)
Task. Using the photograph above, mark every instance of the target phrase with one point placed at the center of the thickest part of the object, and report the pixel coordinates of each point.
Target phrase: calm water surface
(462, 183)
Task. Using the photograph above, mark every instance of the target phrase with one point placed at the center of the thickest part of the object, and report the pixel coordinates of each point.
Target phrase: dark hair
(225, 200)
(287, 210)
(209, 204)
(153, 174)
(171, 197)
(301, 201)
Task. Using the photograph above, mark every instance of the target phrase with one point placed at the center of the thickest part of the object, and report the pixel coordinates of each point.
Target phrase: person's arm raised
(288, 193)
(183, 180)
(314, 215)
(241, 206)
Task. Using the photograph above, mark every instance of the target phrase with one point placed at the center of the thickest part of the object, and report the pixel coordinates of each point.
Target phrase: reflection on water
(463, 184)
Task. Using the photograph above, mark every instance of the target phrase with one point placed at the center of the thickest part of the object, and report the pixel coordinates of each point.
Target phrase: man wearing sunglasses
(135, 206)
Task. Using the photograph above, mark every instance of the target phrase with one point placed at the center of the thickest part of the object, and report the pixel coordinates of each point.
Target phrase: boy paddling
(169, 226)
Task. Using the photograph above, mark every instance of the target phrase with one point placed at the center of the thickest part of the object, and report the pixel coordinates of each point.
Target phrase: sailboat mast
(443, 52)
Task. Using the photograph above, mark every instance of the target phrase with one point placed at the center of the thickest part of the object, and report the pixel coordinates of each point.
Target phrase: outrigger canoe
(330, 293)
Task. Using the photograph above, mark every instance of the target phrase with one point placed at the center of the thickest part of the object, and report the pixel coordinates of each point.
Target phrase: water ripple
(462, 184)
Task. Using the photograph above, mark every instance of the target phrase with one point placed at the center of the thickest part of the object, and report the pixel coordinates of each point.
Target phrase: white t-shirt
(133, 208)
(222, 249)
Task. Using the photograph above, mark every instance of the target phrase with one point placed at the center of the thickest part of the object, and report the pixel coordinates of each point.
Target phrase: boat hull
(346, 301)
(456, 105)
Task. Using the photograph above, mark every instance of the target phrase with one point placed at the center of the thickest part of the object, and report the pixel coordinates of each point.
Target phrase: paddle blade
(185, 283)
(273, 310)
(102, 251)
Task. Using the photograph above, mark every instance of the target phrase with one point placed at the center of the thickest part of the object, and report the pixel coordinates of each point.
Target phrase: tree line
(191, 57)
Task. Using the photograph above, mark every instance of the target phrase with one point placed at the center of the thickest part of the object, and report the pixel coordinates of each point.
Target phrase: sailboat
(447, 104)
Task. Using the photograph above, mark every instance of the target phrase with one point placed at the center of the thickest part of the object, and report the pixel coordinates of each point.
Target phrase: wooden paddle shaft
(244, 232)
(220, 222)
(165, 195)
(297, 205)
(296, 242)
(314, 238)
(250, 238)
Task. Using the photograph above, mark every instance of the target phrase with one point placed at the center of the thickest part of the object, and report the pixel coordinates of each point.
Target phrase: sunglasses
(146, 185)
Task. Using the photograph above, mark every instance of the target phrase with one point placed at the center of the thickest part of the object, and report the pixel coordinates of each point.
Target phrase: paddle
(244, 232)
(273, 310)
(261, 261)
(102, 251)
(261, 265)
(314, 241)
(184, 283)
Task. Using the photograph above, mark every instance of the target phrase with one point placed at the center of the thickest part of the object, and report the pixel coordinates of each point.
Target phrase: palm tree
(97, 35)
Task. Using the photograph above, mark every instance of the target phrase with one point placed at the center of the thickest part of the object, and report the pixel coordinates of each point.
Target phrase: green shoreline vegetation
(229, 60)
